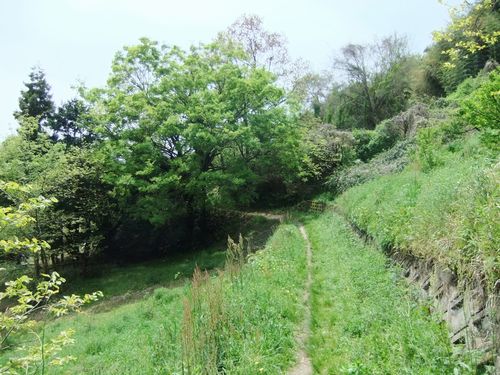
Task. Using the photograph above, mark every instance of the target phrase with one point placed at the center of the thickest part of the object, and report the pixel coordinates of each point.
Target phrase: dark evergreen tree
(36, 100)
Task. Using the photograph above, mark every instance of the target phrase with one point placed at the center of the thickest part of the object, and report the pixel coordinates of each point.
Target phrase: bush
(372, 142)
(387, 133)
(482, 110)
(329, 149)
(391, 161)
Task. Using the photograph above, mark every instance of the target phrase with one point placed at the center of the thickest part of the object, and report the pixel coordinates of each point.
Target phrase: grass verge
(244, 321)
(365, 320)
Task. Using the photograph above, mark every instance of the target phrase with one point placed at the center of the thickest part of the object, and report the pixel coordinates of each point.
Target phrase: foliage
(444, 214)
(329, 149)
(69, 123)
(377, 84)
(36, 100)
(365, 319)
(75, 225)
(482, 110)
(17, 215)
(469, 44)
(468, 32)
(372, 142)
(193, 130)
(36, 355)
(391, 161)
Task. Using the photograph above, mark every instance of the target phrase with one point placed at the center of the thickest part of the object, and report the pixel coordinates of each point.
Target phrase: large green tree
(376, 83)
(184, 131)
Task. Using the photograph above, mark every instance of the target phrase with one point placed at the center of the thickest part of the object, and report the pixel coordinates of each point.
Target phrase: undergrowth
(239, 320)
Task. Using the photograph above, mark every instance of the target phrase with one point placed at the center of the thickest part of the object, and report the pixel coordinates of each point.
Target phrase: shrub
(391, 161)
(372, 142)
(428, 144)
(482, 110)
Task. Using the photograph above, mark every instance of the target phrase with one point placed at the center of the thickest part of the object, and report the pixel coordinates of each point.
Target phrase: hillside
(222, 208)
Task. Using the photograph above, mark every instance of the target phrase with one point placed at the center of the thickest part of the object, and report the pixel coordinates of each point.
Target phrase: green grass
(254, 313)
(136, 338)
(365, 320)
(261, 304)
(118, 281)
(448, 214)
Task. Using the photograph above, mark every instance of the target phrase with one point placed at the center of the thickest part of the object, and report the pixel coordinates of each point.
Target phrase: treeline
(146, 164)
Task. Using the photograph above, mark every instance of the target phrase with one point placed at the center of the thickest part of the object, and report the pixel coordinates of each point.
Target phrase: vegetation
(440, 208)
(365, 319)
(149, 173)
(35, 353)
(224, 320)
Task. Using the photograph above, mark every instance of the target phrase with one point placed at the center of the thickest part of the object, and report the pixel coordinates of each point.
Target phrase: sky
(75, 40)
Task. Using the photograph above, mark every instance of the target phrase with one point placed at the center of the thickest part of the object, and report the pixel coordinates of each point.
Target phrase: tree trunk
(45, 261)
(37, 265)
(53, 260)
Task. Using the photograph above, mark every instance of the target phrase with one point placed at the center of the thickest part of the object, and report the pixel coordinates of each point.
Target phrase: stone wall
(473, 316)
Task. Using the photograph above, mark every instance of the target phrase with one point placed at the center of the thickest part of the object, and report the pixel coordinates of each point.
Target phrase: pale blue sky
(75, 40)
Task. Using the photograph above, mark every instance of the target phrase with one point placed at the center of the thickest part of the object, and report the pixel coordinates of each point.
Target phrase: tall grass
(365, 320)
(239, 320)
(448, 214)
(243, 320)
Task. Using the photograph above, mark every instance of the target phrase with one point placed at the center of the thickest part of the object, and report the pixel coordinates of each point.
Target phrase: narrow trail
(304, 365)
(267, 215)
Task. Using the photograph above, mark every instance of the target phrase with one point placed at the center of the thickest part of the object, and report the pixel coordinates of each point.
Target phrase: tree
(184, 131)
(464, 48)
(74, 226)
(30, 356)
(269, 51)
(354, 64)
(69, 123)
(264, 49)
(26, 159)
(36, 100)
(376, 83)
(77, 224)
(470, 30)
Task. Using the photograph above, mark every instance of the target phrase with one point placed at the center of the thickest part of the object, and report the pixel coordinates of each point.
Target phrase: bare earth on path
(304, 365)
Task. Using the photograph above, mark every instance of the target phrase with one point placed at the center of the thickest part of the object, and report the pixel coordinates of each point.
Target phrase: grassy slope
(258, 313)
(448, 214)
(262, 312)
(364, 318)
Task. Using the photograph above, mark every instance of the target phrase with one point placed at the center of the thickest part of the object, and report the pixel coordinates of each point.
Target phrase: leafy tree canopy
(191, 129)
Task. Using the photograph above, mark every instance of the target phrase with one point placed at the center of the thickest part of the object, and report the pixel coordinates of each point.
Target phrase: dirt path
(267, 215)
(304, 365)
